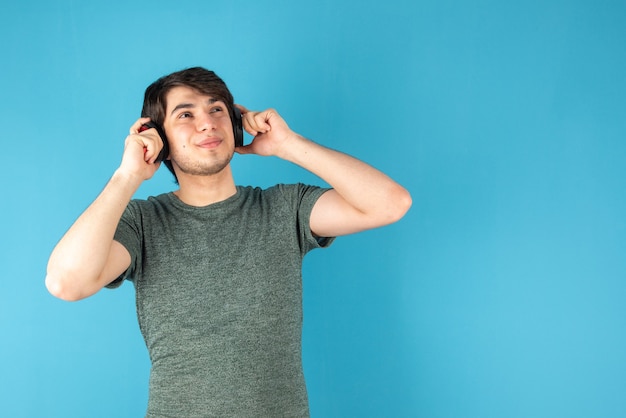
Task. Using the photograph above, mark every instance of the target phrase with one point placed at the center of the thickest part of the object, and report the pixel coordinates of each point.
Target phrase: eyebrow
(210, 101)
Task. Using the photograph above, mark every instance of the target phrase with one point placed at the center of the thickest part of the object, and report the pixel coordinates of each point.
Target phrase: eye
(216, 109)
(184, 115)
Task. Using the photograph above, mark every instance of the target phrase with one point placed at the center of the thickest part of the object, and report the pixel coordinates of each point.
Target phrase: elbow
(59, 288)
(400, 202)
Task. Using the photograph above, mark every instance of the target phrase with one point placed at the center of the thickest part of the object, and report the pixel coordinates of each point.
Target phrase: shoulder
(291, 190)
(151, 205)
(292, 194)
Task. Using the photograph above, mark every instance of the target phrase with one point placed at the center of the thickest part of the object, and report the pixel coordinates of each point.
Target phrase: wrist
(294, 149)
(126, 179)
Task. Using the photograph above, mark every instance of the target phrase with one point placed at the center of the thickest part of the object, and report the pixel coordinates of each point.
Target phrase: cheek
(179, 135)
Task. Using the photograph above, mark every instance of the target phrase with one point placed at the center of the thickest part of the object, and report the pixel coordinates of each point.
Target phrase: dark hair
(197, 78)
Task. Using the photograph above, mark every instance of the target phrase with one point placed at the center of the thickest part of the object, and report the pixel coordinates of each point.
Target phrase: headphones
(237, 132)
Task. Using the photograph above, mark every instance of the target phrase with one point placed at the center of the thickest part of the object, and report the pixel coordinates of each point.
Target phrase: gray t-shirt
(219, 300)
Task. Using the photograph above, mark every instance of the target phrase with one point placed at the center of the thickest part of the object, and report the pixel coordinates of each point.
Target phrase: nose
(205, 122)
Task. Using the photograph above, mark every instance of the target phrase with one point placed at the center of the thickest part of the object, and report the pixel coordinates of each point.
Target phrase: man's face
(199, 132)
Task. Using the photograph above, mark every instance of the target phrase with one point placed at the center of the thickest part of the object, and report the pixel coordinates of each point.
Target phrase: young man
(217, 267)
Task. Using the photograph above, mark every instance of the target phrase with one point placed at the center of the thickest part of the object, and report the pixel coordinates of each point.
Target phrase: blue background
(500, 294)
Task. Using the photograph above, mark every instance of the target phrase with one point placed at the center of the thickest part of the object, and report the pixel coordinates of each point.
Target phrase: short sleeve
(304, 198)
(128, 233)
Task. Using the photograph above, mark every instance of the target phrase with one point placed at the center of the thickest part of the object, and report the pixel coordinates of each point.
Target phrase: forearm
(79, 259)
(366, 189)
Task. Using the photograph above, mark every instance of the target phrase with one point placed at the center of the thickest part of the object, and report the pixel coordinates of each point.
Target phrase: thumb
(244, 149)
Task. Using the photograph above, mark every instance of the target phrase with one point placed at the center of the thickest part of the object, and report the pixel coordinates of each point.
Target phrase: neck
(205, 190)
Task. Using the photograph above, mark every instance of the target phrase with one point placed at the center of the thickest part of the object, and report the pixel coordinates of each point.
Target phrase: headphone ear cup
(237, 127)
(165, 151)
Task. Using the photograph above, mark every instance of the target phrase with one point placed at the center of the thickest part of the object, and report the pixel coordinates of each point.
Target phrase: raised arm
(87, 258)
(362, 196)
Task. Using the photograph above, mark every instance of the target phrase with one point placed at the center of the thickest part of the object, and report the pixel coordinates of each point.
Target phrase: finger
(247, 119)
(242, 108)
(244, 149)
(153, 148)
(134, 129)
(151, 152)
(256, 122)
(247, 128)
(152, 135)
(262, 119)
(148, 143)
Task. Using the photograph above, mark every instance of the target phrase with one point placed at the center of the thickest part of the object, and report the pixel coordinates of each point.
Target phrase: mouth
(210, 143)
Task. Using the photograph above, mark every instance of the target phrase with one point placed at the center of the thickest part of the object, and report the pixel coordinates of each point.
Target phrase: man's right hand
(141, 150)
